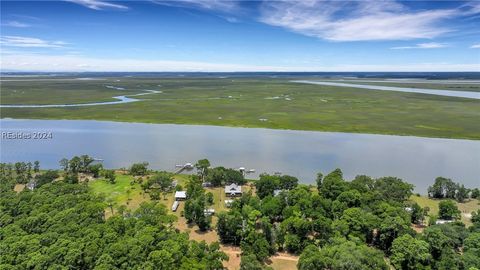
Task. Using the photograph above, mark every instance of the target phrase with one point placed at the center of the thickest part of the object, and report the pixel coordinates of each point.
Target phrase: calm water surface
(299, 153)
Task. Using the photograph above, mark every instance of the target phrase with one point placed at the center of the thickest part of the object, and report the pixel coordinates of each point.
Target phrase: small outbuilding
(209, 212)
(31, 185)
(175, 206)
(443, 221)
(180, 195)
(233, 190)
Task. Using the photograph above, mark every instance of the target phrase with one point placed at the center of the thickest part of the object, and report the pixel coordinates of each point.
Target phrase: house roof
(180, 194)
(233, 188)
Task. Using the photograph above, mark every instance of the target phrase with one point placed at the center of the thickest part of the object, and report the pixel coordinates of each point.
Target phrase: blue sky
(212, 35)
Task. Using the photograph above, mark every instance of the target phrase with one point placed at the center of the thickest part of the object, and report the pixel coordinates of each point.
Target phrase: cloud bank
(355, 20)
(39, 62)
(98, 4)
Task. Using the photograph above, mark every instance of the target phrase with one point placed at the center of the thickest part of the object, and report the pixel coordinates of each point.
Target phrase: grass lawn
(284, 262)
(244, 101)
(466, 208)
(118, 192)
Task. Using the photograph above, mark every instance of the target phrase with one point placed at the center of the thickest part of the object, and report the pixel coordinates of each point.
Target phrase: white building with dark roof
(233, 190)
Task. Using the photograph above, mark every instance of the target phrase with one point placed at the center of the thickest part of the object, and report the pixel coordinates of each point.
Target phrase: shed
(175, 206)
(209, 212)
(180, 195)
(443, 221)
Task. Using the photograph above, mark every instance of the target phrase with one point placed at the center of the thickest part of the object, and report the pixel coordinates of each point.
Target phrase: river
(299, 153)
(438, 92)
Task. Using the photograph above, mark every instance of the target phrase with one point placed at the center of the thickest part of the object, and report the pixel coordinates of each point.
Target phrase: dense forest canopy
(365, 223)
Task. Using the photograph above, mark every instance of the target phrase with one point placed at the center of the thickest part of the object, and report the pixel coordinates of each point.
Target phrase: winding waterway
(120, 100)
(300, 153)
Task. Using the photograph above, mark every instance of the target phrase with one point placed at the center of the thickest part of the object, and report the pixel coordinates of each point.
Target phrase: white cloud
(217, 5)
(470, 8)
(355, 20)
(429, 45)
(98, 4)
(43, 62)
(29, 42)
(16, 24)
(475, 46)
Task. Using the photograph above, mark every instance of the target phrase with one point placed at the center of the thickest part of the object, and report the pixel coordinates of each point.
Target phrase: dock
(181, 168)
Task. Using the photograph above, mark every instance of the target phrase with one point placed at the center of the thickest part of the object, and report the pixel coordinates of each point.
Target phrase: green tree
(160, 260)
(110, 176)
(341, 255)
(417, 214)
(36, 166)
(287, 182)
(409, 253)
(318, 181)
(209, 198)
(333, 185)
(293, 243)
(475, 194)
(229, 227)
(46, 177)
(250, 262)
(462, 193)
(202, 166)
(471, 250)
(64, 164)
(266, 185)
(393, 189)
(139, 168)
(95, 169)
(234, 176)
(448, 209)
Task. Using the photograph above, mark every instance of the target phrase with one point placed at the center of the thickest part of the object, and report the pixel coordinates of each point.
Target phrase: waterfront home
(180, 195)
(233, 190)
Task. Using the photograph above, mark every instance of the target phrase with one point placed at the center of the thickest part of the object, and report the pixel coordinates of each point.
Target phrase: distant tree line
(218, 176)
(446, 188)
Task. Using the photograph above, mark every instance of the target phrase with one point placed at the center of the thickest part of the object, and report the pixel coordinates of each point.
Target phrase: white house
(180, 195)
(233, 190)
